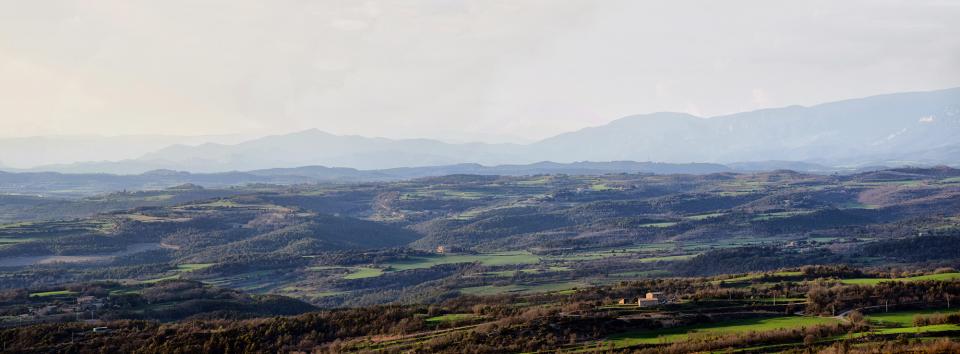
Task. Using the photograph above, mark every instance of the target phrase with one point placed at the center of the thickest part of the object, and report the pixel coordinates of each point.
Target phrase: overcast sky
(511, 70)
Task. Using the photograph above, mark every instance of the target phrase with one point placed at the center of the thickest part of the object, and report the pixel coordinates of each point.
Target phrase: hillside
(778, 260)
(433, 237)
(87, 184)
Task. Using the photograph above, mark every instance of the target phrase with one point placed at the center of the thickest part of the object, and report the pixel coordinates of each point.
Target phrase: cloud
(453, 70)
(349, 25)
(760, 97)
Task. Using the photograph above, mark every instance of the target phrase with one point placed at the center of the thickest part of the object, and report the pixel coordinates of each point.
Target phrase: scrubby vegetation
(769, 312)
(492, 264)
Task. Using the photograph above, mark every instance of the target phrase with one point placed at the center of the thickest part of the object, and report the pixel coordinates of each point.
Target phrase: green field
(780, 215)
(902, 322)
(453, 317)
(229, 204)
(641, 274)
(489, 259)
(254, 281)
(902, 318)
(441, 194)
(16, 225)
(223, 203)
(874, 281)
(180, 269)
(704, 216)
(157, 280)
(676, 334)
(12, 240)
(521, 288)
(320, 294)
(658, 224)
(858, 205)
(754, 276)
(54, 293)
(644, 249)
(47, 229)
(189, 267)
(353, 272)
(666, 258)
(919, 330)
(586, 256)
(364, 272)
(510, 273)
(896, 318)
(540, 180)
(600, 187)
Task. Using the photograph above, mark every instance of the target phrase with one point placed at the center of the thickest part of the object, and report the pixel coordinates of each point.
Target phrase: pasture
(54, 293)
(452, 317)
(670, 335)
(901, 318)
(522, 288)
(875, 281)
(488, 259)
(364, 272)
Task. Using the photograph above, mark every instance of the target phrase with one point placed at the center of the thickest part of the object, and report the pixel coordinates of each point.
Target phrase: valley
(479, 177)
(748, 248)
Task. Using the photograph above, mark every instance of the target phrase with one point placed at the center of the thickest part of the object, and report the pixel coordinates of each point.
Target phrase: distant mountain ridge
(859, 131)
(893, 129)
(61, 150)
(54, 183)
(314, 147)
(87, 184)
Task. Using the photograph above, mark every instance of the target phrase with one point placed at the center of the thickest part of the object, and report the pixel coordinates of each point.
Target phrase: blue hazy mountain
(84, 184)
(922, 127)
(893, 129)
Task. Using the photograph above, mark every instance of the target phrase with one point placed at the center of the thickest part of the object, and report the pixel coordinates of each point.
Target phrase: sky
(491, 70)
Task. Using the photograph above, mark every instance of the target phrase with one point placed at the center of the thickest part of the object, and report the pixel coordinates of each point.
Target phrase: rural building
(47, 310)
(85, 303)
(652, 299)
(448, 249)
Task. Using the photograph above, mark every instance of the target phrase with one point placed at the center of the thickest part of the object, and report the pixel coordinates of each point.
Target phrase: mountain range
(86, 184)
(920, 128)
(60, 150)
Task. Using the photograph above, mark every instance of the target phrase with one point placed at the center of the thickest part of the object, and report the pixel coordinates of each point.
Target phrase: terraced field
(669, 335)
(902, 318)
(874, 281)
(364, 272)
(490, 259)
(523, 288)
(902, 322)
(453, 317)
(54, 293)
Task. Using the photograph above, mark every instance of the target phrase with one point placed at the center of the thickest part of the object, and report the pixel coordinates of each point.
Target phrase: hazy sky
(455, 70)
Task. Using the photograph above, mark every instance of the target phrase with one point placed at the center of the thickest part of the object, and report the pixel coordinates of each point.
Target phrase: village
(60, 308)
